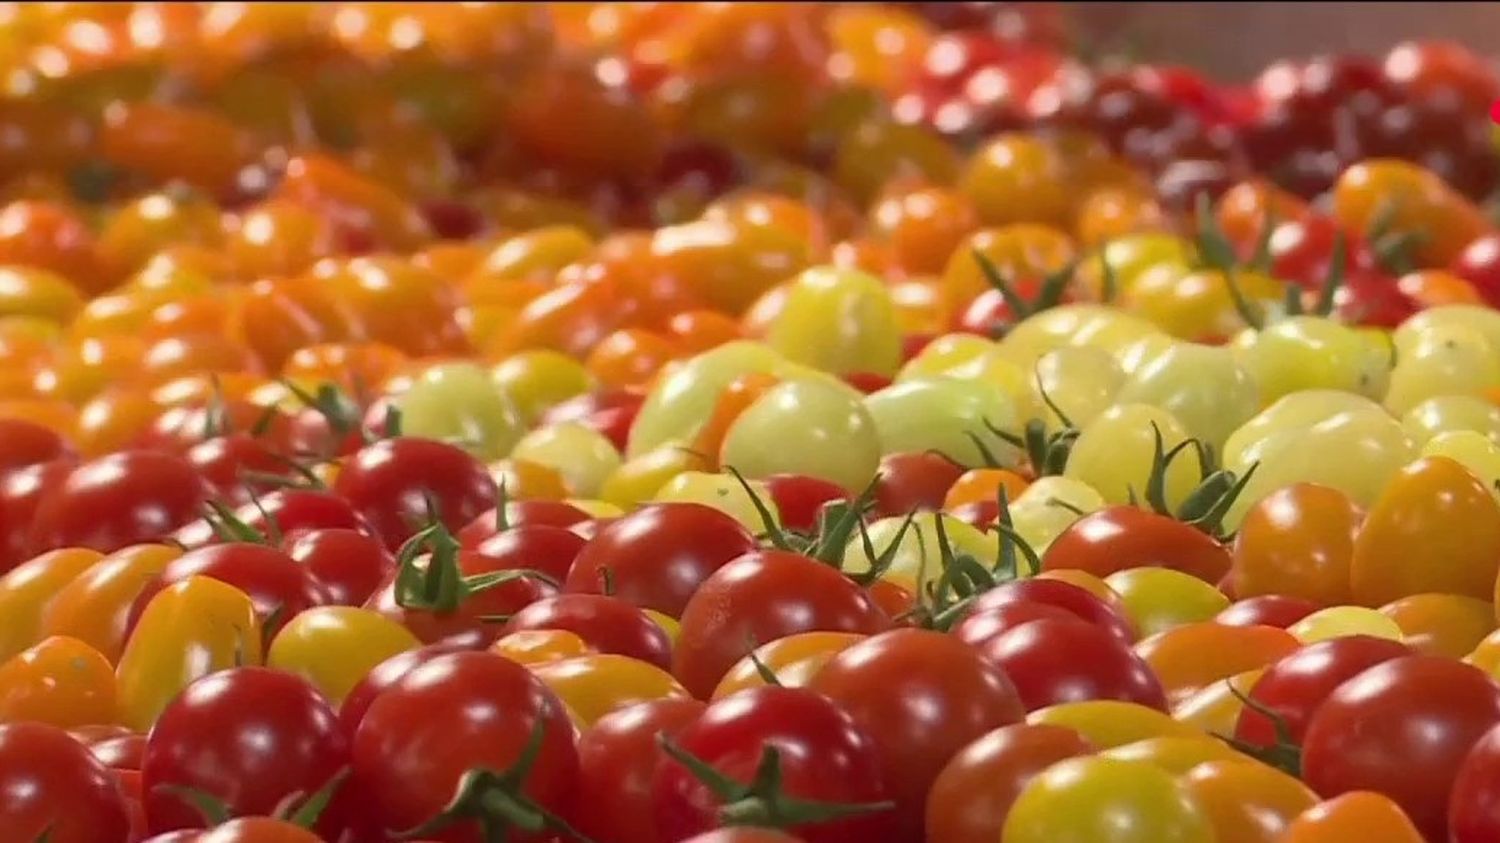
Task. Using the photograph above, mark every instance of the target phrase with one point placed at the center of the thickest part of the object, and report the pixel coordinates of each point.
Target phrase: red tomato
(1055, 660)
(823, 757)
(1119, 538)
(468, 617)
(24, 443)
(922, 696)
(1474, 809)
(539, 547)
(21, 492)
(799, 499)
(250, 737)
(391, 483)
(617, 760)
(606, 624)
(760, 597)
(1278, 610)
(349, 565)
(1064, 595)
(914, 480)
(279, 587)
(115, 501)
(981, 627)
(1297, 685)
(659, 555)
(1402, 728)
(383, 676)
(521, 513)
(973, 795)
(49, 782)
(455, 714)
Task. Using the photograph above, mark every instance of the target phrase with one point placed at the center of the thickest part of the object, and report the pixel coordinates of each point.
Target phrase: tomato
(60, 681)
(248, 736)
(1122, 537)
(28, 591)
(258, 830)
(823, 756)
(1361, 737)
(334, 647)
(384, 675)
(188, 630)
(1442, 624)
(118, 500)
(799, 499)
(1109, 801)
(1159, 599)
(348, 564)
(1195, 655)
(1473, 813)
(1052, 660)
(279, 588)
(1275, 610)
(1299, 542)
(391, 481)
(617, 760)
(1071, 598)
(607, 624)
(1247, 802)
(447, 717)
(53, 787)
(913, 480)
(787, 428)
(595, 684)
(973, 795)
(1358, 815)
(1295, 686)
(794, 660)
(922, 696)
(1407, 520)
(1174, 753)
(25, 443)
(521, 513)
(839, 321)
(761, 596)
(539, 547)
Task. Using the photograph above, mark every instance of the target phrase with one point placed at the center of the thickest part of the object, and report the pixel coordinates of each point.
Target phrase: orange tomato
(62, 682)
(1247, 801)
(95, 606)
(1297, 541)
(1360, 815)
(28, 590)
(1191, 656)
(1449, 625)
(357, 206)
(794, 660)
(169, 142)
(629, 357)
(981, 485)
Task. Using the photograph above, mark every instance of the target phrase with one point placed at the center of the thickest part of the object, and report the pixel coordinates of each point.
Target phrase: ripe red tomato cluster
(739, 423)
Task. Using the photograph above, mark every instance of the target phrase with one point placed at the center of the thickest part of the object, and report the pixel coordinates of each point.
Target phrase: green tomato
(939, 414)
(1203, 386)
(1095, 799)
(680, 401)
(1303, 353)
(1081, 381)
(1356, 451)
(1158, 599)
(1114, 454)
(840, 321)
(1342, 622)
(581, 455)
(1049, 506)
(918, 559)
(805, 427)
(538, 379)
(1471, 449)
(1482, 318)
(1446, 360)
(722, 492)
(1451, 413)
(458, 402)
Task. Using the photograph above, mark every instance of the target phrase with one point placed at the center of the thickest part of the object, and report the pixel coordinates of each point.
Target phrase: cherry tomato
(1473, 813)
(913, 480)
(607, 624)
(1358, 815)
(1298, 684)
(617, 760)
(973, 795)
(1106, 800)
(1247, 802)
(1071, 598)
(279, 588)
(348, 564)
(53, 787)
(1297, 541)
(1121, 537)
(1195, 655)
(391, 482)
(118, 500)
(1053, 661)
(60, 681)
(382, 676)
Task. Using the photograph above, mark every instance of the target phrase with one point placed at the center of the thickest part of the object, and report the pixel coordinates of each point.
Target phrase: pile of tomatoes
(738, 423)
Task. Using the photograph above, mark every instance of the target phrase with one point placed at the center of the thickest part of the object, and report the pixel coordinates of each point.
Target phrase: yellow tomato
(334, 647)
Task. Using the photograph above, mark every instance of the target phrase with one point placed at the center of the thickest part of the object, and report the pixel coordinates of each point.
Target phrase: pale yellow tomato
(334, 647)
(722, 492)
(1098, 325)
(942, 414)
(538, 379)
(1202, 386)
(1303, 353)
(581, 455)
(457, 402)
(918, 558)
(1452, 413)
(1081, 381)
(805, 427)
(1472, 450)
(1051, 505)
(943, 354)
(1343, 621)
(838, 320)
(1158, 599)
(1482, 318)
(1446, 360)
(1114, 453)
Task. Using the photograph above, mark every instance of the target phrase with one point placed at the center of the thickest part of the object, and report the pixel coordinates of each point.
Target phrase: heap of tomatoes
(739, 423)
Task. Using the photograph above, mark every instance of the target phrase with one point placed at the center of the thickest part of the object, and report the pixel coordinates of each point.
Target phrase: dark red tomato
(383, 676)
(471, 618)
(452, 715)
(1479, 264)
(1064, 595)
(1060, 660)
(520, 513)
(350, 565)
(1474, 809)
(824, 757)
(611, 413)
(392, 482)
(124, 752)
(21, 491)
(922, 696)
(1119, 538)
(25, 443)
(760, 597)
(277, 584)
(1301, 250)
(617, 760)
(1297, 685)
(250, 737)
(913, 480)
(607, 624)
(115, 501)
(50, 783)
(1402, 729)
(1370, 298)
(973, 795)
(799, 499)
(659, 555)
(237, 464)
(867, 382)
(981, 627)
(981, 515)
(1278, 610)
(537, 547)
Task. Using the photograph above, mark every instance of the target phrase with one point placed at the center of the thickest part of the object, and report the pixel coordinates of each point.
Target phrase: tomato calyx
(1392, 250)
(229, 527)
(1205, 506)
(439, 586)
(498, 803)
(1054, 286)
(963, 578)
(1217, 253)
(762, 803)
(1284, 754)
(1047, 450)
(343, 413)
